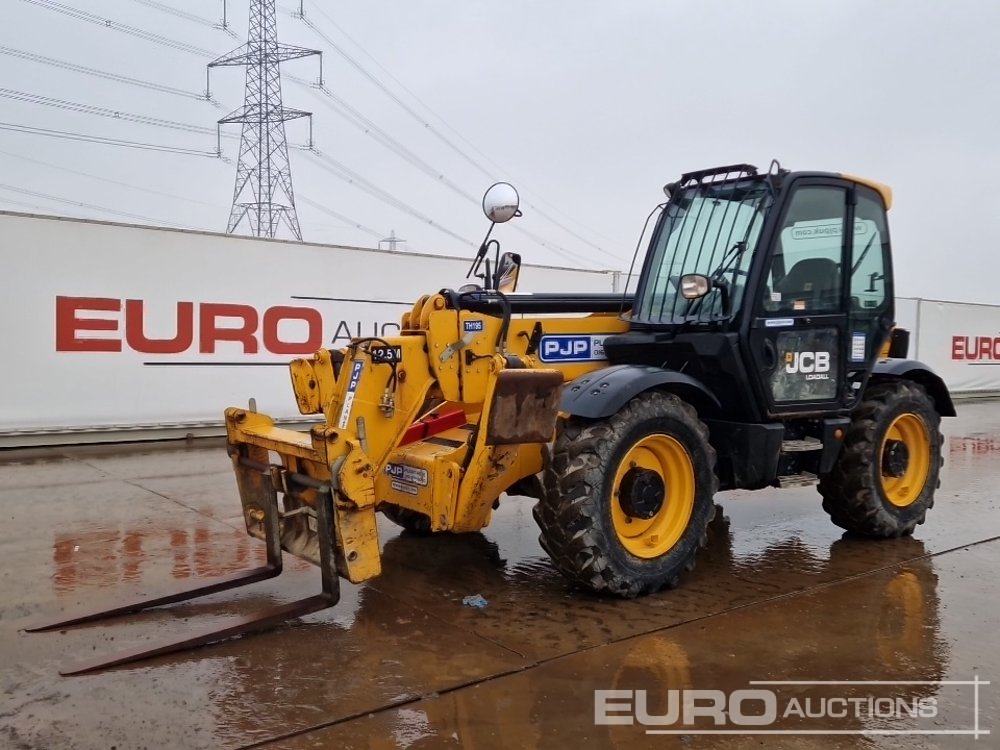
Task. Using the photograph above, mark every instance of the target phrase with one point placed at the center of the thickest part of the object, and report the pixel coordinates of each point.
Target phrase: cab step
(805, 479)
(801, 444)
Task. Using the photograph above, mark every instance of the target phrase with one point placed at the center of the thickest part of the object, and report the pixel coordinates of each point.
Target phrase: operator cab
(774, 290)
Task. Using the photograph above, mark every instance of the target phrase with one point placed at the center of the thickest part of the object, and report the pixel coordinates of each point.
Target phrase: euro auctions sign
(984, 349)
(961, 342)
(89, 324)
(801, 707)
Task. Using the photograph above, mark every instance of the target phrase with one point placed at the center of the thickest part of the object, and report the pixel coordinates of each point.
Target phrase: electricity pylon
(263, 194)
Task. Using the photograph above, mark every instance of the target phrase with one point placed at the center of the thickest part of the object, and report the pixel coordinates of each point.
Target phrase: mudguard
(602, 393)
(918, 372)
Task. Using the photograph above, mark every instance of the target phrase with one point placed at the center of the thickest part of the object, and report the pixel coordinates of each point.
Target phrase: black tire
(575, 512)
(853, 492)
(410, 520)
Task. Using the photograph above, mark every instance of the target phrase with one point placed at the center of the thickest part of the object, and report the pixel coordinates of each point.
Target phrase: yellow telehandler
(757, 351)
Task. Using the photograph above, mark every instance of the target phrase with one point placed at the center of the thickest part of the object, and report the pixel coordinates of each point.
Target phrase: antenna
(263, 194)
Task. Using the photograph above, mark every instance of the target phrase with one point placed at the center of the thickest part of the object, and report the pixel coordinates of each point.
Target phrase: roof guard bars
(728, 172)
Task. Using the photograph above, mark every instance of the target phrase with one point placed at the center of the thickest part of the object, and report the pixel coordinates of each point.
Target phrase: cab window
(805, 273)
(868, 258)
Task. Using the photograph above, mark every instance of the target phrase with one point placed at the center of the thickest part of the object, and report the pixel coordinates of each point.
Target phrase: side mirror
(500, 203)
(508, 269)
(695, 285)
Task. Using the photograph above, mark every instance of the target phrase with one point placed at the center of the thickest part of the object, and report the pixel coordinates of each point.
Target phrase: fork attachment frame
(263, 482)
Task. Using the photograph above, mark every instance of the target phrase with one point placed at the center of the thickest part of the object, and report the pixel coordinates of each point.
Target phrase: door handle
(769, 355)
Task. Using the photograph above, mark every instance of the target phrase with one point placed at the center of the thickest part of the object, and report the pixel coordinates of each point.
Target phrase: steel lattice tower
(263, 192)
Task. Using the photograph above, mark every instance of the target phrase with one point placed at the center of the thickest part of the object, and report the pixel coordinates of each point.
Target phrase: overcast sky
(587, 107)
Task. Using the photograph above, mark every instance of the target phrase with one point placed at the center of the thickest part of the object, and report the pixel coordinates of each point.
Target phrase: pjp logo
(568, 348)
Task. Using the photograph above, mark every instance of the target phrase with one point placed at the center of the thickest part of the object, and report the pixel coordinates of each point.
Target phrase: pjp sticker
(352, 387)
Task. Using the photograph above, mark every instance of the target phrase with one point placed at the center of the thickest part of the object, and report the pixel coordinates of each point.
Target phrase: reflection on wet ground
(778, 595)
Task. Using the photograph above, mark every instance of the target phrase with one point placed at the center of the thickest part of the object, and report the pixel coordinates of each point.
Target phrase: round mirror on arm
(500, 203)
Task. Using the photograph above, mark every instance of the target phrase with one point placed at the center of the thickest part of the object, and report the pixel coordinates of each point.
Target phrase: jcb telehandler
(758, 350)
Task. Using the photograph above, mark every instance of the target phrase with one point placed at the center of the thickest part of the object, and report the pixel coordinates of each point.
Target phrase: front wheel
(410, 520)
(883, 482)
(628, 499)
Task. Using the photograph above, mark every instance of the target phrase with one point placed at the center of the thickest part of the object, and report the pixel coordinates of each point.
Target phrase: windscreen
(710, 230)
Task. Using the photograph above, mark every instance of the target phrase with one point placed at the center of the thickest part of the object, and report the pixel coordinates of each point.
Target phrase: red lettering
(970, 348)
(984, 347)
(68, 325)
(135, 329)
(312, 318)
(957, 349)
(209, 332)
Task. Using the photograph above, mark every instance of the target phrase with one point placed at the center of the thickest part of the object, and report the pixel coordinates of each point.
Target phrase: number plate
(382, 353)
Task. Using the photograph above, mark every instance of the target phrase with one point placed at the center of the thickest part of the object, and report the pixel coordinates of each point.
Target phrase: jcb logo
(807, 362)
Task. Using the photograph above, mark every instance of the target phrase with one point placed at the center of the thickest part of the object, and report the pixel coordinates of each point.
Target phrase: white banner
(115, 327)
(906, 317)
(109, 328)
(961, 343)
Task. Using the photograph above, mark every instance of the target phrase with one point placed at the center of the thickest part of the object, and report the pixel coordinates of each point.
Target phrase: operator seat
(815, 281)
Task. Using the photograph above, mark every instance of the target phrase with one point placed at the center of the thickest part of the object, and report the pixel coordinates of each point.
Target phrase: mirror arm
(481, 253)
(488, 277)
(723, 287)
(872, 278)
(496, 267)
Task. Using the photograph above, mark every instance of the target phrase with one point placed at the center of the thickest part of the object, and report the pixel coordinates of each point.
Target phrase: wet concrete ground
(778, 595)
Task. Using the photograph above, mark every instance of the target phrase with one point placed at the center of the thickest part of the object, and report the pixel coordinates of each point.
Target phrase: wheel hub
(895, 458)
(642, 493)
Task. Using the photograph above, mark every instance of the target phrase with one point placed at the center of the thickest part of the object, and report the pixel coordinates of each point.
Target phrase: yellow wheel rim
(911, 431)
(651, 537)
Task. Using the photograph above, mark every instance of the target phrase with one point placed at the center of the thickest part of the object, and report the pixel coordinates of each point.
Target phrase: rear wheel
(883, 482)
(628, 499)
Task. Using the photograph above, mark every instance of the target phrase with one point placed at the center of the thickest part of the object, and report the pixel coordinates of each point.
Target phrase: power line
(115, 114)
(24, 204)
(102, 74)
(191, 49)
(352, 115)
(351, 222)
(351, 177)
(163, 7)
(91, 206)
(108, 180)
(371, 129)
(149, 36)
(84, 137)
(391, 94)
(416, 115)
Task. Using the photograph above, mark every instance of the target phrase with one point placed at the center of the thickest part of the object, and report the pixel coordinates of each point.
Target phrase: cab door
(798, 336)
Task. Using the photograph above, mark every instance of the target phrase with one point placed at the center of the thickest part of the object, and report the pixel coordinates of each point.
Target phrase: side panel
(604, 392)
(910, 369)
